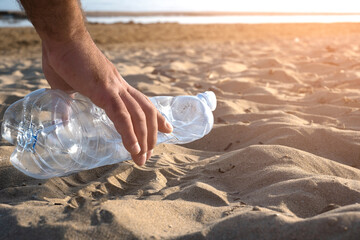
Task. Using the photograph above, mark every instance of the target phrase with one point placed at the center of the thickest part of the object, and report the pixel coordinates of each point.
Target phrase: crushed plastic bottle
(56, 134)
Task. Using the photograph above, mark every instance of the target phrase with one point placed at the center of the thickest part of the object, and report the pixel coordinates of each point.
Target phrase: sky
(339, 6)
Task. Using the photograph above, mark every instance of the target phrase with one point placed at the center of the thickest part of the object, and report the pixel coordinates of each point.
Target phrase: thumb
(163, 125)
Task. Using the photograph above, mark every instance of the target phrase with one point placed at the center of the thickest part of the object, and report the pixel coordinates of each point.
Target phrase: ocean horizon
(246, 18)
(309, 11)
(335, 6)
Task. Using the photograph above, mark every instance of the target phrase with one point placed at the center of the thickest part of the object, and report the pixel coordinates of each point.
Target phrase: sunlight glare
(306, 6)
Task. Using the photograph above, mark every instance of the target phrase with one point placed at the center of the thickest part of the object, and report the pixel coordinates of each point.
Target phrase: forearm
(56, 20)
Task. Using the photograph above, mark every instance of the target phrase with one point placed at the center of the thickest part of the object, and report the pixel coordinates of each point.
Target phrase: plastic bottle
(56, 134)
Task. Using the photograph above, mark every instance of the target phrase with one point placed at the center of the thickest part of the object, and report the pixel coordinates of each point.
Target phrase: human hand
(78, 65)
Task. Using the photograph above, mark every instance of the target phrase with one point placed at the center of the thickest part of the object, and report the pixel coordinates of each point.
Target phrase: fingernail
(136, 148)
(148, 154)
(168, 125)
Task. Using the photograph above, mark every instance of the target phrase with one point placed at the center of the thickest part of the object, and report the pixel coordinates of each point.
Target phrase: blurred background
(204, 11)
(333, 6)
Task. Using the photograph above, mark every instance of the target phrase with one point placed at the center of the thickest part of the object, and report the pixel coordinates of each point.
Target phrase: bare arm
(56, 20)
(71, 61)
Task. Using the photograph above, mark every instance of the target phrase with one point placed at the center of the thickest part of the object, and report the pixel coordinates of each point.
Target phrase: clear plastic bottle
(56, 134)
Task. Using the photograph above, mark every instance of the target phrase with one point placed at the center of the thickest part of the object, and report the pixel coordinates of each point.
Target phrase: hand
(80, 66)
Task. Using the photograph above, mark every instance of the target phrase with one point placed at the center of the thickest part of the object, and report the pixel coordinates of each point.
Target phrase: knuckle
(121, 115)
(140, 116)
(150, 111)
(116, 113)
(103, 95)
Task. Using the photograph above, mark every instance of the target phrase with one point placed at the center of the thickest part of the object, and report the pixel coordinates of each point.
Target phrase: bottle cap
(210, 99)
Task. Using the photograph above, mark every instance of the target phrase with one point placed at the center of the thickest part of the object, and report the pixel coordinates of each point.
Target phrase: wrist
(60, 39)
(55, 50)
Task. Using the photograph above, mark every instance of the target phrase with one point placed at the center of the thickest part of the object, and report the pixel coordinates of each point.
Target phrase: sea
(206, 6)
(241, 19)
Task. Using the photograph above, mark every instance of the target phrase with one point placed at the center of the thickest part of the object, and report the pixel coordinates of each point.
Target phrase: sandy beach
(282, 161)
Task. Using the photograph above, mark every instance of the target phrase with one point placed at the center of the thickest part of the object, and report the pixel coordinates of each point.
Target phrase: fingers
(151, 119)
(136, 119)
(117, 111)
(163, 125)
(139, 122)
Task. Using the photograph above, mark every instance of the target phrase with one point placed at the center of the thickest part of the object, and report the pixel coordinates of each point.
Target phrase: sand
(282, 161)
